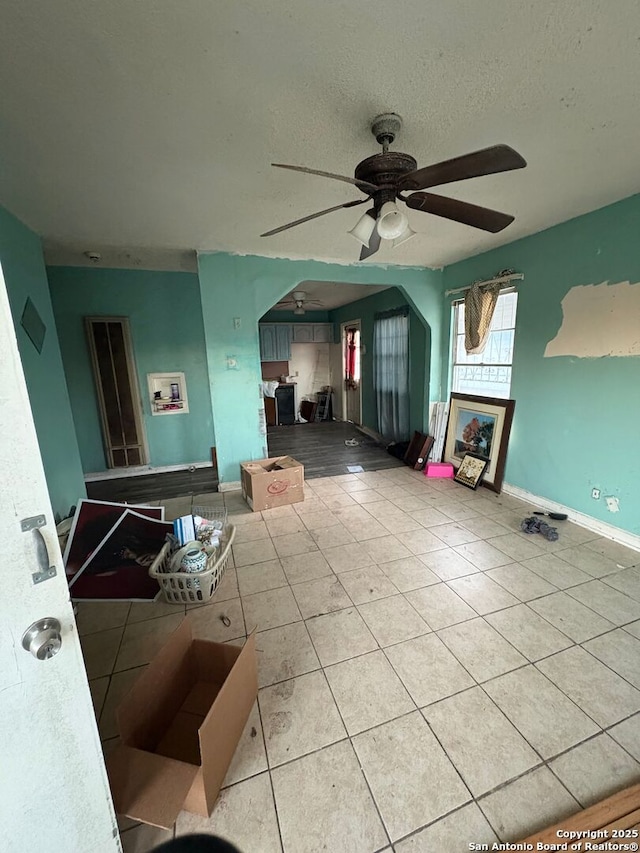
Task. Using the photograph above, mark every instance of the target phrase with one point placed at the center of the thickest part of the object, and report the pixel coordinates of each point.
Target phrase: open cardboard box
(179, 727)
(267, 483)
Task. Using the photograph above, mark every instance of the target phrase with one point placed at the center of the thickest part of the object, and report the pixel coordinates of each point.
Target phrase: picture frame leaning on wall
(470, 470)
(481, 426)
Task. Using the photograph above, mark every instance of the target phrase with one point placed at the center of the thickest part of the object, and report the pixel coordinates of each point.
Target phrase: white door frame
(343, 327)
(53, 784)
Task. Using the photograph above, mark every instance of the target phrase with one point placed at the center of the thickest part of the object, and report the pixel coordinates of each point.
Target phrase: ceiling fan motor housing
(384, 170)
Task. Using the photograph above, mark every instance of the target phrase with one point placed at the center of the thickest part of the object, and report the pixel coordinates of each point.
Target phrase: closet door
(117, 389)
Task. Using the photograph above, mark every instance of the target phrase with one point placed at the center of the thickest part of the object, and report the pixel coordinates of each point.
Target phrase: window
(487, 374)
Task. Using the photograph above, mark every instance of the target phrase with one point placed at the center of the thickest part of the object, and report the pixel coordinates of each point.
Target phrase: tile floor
(429, 675)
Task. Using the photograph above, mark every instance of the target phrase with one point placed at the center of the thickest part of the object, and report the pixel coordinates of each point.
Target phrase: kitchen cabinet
(312, 333)
(267, 342)
(283, 342)
(302, 333)
(323, 333)
(276, 338)
(275, 341)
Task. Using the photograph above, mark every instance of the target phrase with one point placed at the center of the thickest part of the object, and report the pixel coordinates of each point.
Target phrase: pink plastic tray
(438, 469)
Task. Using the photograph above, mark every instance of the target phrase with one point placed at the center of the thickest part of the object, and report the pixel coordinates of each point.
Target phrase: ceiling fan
(298, 300)
(388, 176)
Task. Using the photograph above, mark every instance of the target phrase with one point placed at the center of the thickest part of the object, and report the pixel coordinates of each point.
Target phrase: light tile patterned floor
(444, 678)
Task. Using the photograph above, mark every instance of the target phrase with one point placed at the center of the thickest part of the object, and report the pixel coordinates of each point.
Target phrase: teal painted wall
(25, 276)
(419, 338)
(246, 287)
(576, 419)
(165, 317)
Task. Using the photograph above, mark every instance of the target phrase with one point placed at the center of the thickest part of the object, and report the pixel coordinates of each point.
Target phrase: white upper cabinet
(322, 333)
(312, 333)
(303, 333)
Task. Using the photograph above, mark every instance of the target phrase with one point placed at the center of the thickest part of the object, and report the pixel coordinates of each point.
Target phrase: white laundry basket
(195, 587)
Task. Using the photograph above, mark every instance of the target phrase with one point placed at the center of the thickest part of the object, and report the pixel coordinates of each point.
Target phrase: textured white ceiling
(152, 124)
(325, 295)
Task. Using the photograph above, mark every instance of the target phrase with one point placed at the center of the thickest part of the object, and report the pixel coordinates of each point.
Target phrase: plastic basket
(193, 587)
(211, 513)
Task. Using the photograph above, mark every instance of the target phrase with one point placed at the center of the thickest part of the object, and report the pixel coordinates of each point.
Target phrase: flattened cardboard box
(267, 483)
(179, 727)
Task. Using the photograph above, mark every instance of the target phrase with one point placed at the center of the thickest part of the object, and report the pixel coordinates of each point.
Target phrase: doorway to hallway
(351, 337)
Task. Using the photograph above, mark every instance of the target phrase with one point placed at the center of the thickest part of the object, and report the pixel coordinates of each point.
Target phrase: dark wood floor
(320, 447)
(153, 487)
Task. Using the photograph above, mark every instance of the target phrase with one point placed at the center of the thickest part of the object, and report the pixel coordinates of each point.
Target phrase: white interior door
(53, 785)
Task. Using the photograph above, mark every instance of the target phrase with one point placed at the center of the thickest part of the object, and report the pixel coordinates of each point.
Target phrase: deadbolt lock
(43, 639)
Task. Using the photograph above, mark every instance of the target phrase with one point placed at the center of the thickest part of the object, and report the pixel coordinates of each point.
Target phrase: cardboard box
(267, 483)
(179, 727)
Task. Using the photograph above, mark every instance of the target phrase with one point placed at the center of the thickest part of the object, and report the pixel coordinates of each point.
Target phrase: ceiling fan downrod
(385, 128)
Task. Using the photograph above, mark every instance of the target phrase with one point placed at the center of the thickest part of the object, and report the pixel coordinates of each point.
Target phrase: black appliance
(286, 404)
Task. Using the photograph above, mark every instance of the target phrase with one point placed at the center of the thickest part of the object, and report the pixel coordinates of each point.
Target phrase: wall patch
(598, 320)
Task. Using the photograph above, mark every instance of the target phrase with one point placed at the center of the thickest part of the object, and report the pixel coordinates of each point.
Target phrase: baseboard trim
(141, 470)
(231, 486)
(631, 540)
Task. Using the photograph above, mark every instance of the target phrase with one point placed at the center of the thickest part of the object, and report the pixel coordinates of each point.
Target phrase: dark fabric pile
(536, 525)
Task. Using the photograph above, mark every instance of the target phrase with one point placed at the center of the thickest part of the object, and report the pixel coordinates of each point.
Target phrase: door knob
(43, 639)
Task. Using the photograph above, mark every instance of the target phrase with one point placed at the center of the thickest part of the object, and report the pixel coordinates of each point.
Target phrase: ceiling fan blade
(372, 248)
(487, 161)
(313, 216)
(363, 185)
(460, 211)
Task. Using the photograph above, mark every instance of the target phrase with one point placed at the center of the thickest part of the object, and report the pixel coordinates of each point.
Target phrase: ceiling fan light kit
(384, 177)
(363, 229)
(392, 223)
(407, 234)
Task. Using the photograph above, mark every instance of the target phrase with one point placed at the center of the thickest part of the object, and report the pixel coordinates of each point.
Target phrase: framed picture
(91, 523)
(118, 568)
(480, 426)
(470, 470)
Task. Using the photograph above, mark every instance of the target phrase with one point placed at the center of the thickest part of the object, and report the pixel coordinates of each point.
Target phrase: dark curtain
(391, 373)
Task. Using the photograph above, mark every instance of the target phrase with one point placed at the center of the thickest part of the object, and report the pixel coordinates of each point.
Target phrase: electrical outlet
(613, 504)
(595, 494)
(236, 322)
